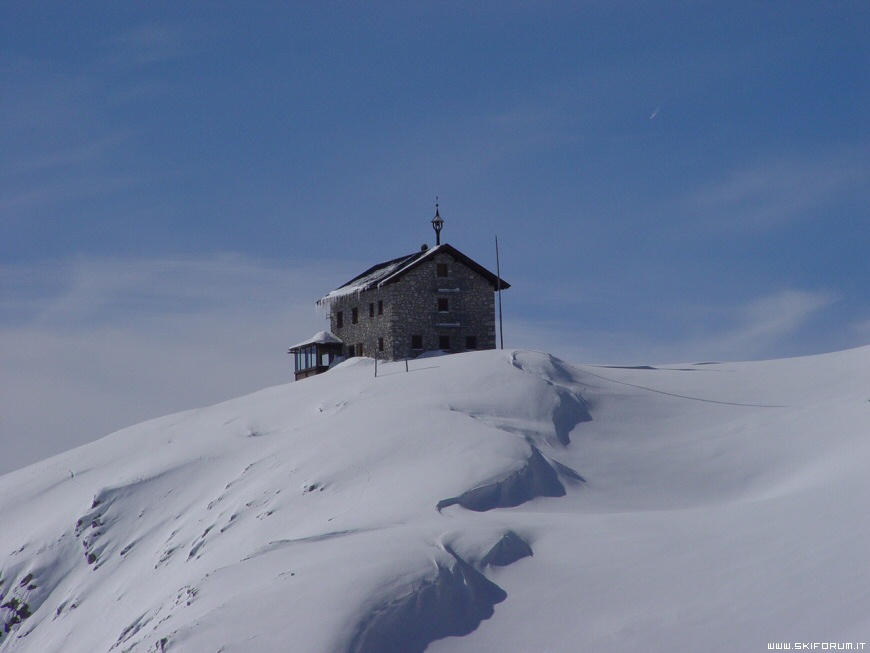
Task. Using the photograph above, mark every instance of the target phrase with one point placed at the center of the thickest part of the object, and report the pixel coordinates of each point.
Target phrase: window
(441, 269)
(371, 310)
(380, 344)
(359, 349)
(416, 342)
(306, 358)
(339, 319)
(443, 304)
(350, 351)
(354, 315)
(380, 307)
(444, 343)
(471, 342)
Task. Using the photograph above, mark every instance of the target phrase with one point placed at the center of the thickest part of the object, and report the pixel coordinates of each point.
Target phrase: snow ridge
(452, 604)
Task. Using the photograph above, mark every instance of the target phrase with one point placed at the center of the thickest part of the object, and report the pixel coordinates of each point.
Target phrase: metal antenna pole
(498, 276)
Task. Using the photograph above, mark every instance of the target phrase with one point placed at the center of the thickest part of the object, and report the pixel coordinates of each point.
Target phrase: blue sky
(179, 182)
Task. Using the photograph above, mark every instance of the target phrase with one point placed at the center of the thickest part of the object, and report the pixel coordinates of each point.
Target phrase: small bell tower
(437, 224)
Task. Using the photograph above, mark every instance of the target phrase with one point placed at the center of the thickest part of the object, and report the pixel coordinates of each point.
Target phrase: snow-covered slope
(494, 501)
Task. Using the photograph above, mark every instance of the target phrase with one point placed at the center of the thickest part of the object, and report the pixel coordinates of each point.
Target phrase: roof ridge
(383, 273)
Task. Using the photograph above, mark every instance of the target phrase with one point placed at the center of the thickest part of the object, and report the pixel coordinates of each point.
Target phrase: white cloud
(768, 319)
(862, 329)
(92, 346)
(774, 192)
(59, 155)
(762, 327)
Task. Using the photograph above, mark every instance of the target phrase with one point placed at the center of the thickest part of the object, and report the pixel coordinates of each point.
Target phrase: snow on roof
(376, 276)
(319, 338)
(386, 272)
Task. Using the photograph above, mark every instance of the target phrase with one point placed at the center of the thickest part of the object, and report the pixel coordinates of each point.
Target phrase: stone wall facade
(439, 304)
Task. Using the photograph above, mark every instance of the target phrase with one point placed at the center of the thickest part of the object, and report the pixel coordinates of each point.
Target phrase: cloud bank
(96, 345)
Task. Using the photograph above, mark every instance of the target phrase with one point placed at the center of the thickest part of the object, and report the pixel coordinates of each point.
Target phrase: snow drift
(494, 501)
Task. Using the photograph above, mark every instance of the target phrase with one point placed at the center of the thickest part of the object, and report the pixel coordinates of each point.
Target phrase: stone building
(434, 299)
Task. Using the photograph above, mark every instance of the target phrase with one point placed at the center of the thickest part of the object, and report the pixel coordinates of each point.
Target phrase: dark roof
(390, 271)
